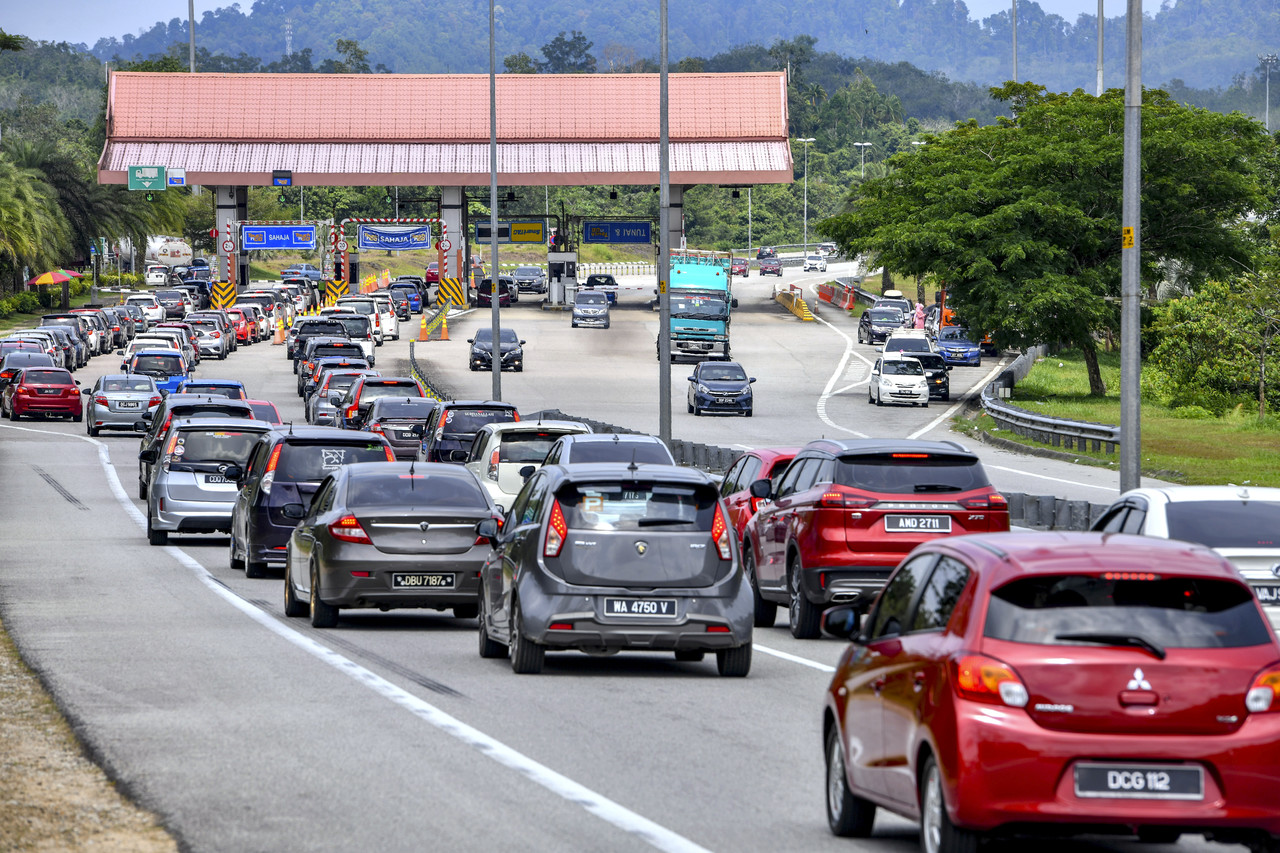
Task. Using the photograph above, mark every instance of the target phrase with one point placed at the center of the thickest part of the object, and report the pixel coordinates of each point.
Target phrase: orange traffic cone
(444, 327)
(423, 335)
(279, 336)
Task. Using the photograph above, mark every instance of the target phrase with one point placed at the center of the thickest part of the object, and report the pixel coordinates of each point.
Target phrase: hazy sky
(86, 21)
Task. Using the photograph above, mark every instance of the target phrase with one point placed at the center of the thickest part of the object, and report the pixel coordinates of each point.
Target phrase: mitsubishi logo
(642, 548)
(1139, 681)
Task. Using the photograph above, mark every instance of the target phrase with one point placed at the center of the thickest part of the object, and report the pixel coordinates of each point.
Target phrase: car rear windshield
(418, 407)
(265, 412)
(339, 349)
(528, 271)
(416, 490)
(327, 327)
(467, 421)
(141, 300)
(356, 325)
(526, 446)
(1225, 524)
(342, 381)
(158, 364)
(930, 361)
(906, 345)
(410, 288)
(600, 281)
(47, 377)
(231, 392)
(1164, 612)
(953, 333)
(485, 336)
(169, 294)
(640, 452)
(911, 473)
(375, 388)
(362, 307)
(215, 444)
(120, 384)
(637, 505)
(302, 460)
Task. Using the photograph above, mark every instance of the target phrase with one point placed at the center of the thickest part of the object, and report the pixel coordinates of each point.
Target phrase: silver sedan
(117, 401)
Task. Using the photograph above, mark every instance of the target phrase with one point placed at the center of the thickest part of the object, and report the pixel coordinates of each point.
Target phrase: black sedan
(401, 421)
(876, 324)
(510, 348)
(387, 535)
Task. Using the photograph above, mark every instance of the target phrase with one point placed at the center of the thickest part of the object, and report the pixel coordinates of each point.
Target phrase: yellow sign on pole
(662, 286)
(1126, 238)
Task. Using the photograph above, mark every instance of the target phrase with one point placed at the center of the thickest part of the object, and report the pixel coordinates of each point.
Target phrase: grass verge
(1235, 448)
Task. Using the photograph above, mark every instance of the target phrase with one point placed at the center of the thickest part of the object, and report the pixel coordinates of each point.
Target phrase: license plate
(640, 607)
(215, 478)
(1139, 781)
(1267, 593)
(404, 434)
(49, 390)
(426, 580)
(917, 523)
(128, 404)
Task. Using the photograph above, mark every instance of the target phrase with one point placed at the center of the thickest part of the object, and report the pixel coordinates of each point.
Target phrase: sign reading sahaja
(394, 237)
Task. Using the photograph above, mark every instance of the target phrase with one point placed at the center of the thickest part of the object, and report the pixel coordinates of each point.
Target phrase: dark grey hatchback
(603, 558)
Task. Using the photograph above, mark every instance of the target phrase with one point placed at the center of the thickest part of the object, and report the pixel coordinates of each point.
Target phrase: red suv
(768, 462)
(1059, 683)
(847, 511)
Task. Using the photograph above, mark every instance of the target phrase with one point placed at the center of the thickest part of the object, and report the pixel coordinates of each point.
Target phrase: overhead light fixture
(737, 194)
(511, 195)
(613, 194)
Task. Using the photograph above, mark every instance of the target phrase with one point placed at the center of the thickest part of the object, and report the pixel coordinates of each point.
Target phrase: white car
(151, 309)
(387, 315)
(815, 263)
(898, 378)
(152, 342)
(501, 451)
(157, 275)
(1240, 523)
(366, 306)
(908, 341)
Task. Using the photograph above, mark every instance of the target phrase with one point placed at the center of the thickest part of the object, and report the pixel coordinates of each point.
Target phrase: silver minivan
(193, 476)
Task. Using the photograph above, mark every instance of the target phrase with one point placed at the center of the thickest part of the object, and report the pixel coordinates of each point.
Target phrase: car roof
(620, 438)
(154, 351)
(215, 383)
(587, 471)
(896, 355)
(220, 423)
(28, 358)
(1179, 494)
(1004, 556)
(491, 404)
(533, 426)
(769, 454)
(323, 432)
(881, 446)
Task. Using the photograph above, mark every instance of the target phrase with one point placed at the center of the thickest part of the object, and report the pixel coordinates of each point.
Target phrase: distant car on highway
(876, 324)
(907, 340)
(42, 391)
(401, 421)
(766, 252)
(307, 271)
(530, 279)
(771, 266)
(590, 308)
(449, 434)
(815, 263)
(936, 374)
(720, 386)
(957, 347)
(602, 282)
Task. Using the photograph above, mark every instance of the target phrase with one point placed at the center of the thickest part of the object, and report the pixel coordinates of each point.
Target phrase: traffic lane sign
(146, 177)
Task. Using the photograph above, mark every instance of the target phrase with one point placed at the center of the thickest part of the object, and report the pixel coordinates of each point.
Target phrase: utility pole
(748, 226)
(1131, 259)
(806, 193)
(664, 237)
(1099, 48)
(191, 32)
(495, 283)
(1015, 41)
(1267, 60)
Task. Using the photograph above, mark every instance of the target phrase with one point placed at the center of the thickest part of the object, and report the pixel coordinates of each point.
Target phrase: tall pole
(748, 225)
(1015, 41)
(664, 237)
(191, 33)
(1100, 21)
(863, 146)
(495, 281)
(806, 193)
(1267, 60)
(1130, 261)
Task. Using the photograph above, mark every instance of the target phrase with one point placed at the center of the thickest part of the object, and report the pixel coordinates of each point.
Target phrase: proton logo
(424, 526)
(1139, 681)
(1275, 570)
(642, 548)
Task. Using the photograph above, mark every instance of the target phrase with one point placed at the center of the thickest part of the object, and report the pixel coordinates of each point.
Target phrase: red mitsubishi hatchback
(1057, 683)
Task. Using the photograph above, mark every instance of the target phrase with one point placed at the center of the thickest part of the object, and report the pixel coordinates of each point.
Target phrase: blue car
(230, 388)
(956, 347)
(167, 367)
(720, 386)
(410, 292)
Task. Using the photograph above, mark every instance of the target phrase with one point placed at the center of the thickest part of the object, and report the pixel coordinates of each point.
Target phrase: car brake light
(351, 411)
(348, 529)
(391, 454)
(718, 629)
(557, 531)
(831, 499)
(154, 401)
(168, 451)
(493, 464)
(377, 428)
(991, 501)
(1266, 687)
(560, 626)
(985, 679)
(99, 400)
(720, 534)
(269, 476)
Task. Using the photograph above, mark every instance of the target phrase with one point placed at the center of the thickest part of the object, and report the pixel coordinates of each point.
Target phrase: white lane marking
(975, 390)
(1112, 489)
(597, 804)
(821, 667)
(829, 391)
(744, 446)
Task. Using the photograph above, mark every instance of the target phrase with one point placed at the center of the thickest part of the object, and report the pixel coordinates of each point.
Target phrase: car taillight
(269, 476)
(154, 401)
(992, 501)
(985, 679)
(169, 448)
(100, 400)
(840, 500)
(1266, 687)
(493, 464)
(391, 454)
(720, 535)
(351, 411)
(377, 428)
(557, 531)
(348, 529)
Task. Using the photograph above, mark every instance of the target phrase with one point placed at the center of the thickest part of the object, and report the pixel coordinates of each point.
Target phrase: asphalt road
(245, 730)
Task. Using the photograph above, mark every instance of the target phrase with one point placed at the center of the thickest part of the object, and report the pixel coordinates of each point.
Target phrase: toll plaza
(432, 130)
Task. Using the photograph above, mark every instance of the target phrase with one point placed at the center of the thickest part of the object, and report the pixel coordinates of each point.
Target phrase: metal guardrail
(1058, 432)
(419, 374)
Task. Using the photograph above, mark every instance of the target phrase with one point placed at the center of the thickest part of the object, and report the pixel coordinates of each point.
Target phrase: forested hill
(1205, 43)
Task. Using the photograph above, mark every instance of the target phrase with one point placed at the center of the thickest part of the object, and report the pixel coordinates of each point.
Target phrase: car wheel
(766, 612)
(573, 325)
(236, 562)
(689, 406)
(734, 663)
(937, 833)
(870, 397)
(946, 397)
(750, 412)
(252, 568)
(92, 430)
(526, 655)
(847, 815)
(322, 615)
(142, 488)
(293, 606)
(879, 402)
(155, 537)
(690, 655)
(466, 611)
(606, 324)
(489, 648)
(805, 617)
(697, 412)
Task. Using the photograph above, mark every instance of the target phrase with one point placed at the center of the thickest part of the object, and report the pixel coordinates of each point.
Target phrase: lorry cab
(701, 298)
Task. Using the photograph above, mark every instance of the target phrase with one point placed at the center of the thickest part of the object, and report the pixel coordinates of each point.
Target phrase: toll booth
(562, 277)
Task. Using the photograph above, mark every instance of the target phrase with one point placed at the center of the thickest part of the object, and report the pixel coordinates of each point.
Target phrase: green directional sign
(146, 178)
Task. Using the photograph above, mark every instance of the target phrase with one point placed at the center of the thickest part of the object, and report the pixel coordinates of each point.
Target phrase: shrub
(1192, 413)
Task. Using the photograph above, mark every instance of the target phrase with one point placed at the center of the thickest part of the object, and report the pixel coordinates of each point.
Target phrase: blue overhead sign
(279, 237)
(394, 237)
(616, 232)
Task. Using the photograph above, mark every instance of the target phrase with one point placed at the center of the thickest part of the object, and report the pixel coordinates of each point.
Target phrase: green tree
(10, 42)
(519, 63)
(1021, 219)
(568, 55)
(355, 59)
(32, 231)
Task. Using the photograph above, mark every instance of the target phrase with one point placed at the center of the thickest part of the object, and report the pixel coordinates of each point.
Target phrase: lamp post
(1267, 60)
(495, 282)
(864, 146)
(806, 193)
(1014, 15)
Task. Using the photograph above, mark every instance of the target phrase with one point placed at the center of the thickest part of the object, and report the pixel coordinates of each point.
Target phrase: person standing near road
(919, 315)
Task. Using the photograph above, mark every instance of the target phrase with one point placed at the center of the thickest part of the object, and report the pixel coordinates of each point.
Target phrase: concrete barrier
(793, 302)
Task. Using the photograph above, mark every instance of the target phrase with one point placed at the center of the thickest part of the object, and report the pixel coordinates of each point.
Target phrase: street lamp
(864, 146)
(1267, 60)
(806, 193)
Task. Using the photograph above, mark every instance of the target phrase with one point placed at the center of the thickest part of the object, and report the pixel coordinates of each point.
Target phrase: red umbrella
(50, 278)
(72, 273)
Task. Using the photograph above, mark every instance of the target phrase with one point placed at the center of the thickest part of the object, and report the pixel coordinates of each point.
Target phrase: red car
(42, 391)
(265, 410)
(1057, 683)
(768, 462)
(432, 273)
(771, 266)
(740, 266)
(847, 511)
(246, 328)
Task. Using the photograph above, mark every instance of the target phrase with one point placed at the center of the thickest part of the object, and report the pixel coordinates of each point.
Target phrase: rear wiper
(654, 522)
(1117, 640)
(936, 487)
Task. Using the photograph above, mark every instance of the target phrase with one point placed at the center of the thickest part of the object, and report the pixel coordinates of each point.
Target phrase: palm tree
(32, 230)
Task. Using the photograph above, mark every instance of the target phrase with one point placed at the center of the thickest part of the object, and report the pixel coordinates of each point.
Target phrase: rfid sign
(279, 237)
(616, 232)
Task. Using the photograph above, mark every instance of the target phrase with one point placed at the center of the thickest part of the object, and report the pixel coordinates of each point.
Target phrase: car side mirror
(879, 349)
(527, 471)
(488, 529)
(149, 456)
(417, 430)
(459, 455)
(948, 367)
(335, 399)
(471, 340)
(86, 390)
(522, 343)
(752, 379)
(693, 379)
(293, 511)
(119, 352)
(762, 488)
(842, 621)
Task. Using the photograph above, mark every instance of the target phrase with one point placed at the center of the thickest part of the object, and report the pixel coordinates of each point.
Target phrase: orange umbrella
(52, 277)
